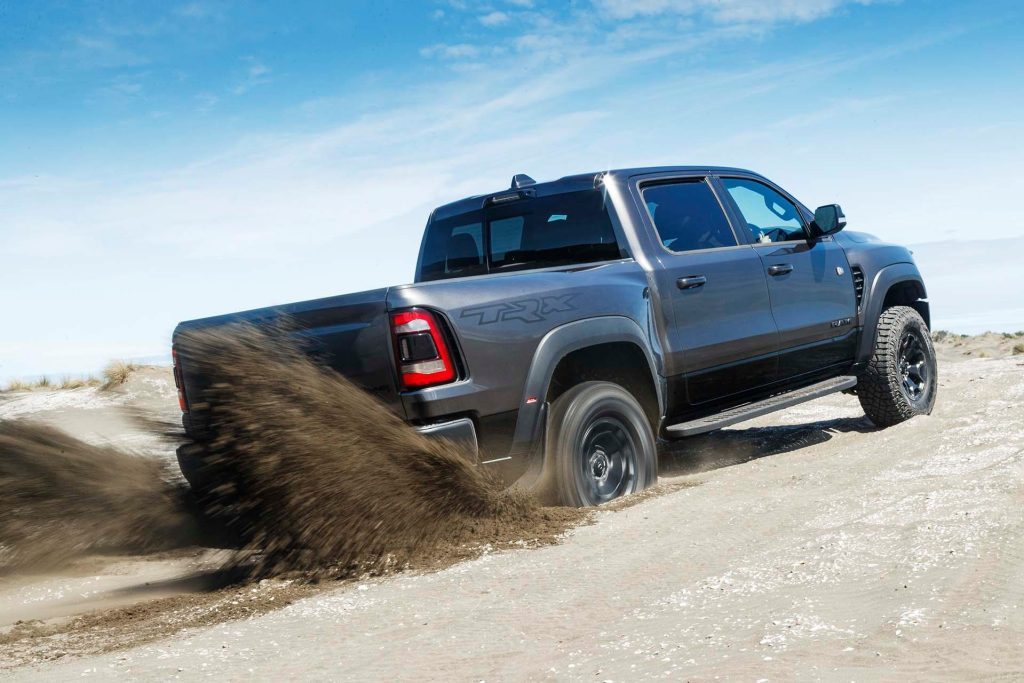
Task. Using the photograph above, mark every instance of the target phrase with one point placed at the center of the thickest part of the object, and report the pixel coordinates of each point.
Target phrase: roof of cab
(570, 183)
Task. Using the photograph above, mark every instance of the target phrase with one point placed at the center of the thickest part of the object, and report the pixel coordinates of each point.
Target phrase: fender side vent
(858, 284)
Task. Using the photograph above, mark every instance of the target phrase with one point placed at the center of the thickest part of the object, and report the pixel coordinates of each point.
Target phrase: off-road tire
(882, 385)
(597, 431)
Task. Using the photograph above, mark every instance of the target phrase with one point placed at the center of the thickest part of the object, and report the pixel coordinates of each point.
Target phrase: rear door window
(687, 216)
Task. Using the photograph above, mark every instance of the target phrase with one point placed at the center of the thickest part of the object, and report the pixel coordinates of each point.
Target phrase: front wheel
(901, 378)
(601, 443)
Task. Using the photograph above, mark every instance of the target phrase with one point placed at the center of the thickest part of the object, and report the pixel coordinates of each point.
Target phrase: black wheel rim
(607, 460)
(914, 366)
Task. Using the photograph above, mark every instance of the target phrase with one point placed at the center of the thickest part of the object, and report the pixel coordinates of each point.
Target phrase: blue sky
(163, 161)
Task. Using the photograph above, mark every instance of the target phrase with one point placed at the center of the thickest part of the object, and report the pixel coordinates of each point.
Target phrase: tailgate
(348, 333)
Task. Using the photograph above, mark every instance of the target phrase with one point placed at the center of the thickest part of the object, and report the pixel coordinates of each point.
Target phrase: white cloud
(102, 51)
(445, 51)
(195, 10)
(122, 86)
(255, 74)
(206, 101)
(725, 11)
(494, 19)
(543, 47)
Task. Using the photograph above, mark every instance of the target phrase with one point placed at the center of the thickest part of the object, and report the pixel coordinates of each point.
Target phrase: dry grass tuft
(78, 382)
(117, 373)
(1018, 350)
(66, 382)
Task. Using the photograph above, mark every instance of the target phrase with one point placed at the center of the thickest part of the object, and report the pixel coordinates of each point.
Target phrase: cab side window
(770, 217)
(688, 216)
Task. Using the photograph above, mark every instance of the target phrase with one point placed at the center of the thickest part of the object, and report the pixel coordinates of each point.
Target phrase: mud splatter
(319, 477)
(315, 479)
(60, 497)
(318, 480)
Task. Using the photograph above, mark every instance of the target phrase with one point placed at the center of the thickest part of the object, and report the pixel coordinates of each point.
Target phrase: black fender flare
(874, 299)
(553, 347)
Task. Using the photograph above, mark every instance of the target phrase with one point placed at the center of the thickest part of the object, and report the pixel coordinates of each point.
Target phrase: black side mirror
(828, 220)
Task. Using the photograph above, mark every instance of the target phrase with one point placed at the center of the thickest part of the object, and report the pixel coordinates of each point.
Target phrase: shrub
(1018, 350)
(117, 373)
(18, 385)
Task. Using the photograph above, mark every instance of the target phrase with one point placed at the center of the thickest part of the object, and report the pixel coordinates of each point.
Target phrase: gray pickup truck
(563, 330)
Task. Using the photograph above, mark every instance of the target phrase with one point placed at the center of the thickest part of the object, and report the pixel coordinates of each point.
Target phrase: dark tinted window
(688, 216)
(561, 229)
(453, 248)
(568, 228)
(506, 236)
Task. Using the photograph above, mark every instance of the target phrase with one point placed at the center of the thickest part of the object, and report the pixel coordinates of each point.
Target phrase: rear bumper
(190, 462)
(461, 431)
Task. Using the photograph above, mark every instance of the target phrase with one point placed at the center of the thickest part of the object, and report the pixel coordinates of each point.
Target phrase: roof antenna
(521, 180)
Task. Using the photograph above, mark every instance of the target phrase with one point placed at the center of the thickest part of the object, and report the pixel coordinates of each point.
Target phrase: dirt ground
(804, 544)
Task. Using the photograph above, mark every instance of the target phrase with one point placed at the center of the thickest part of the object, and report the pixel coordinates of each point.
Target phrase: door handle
(691, 281)
(780, 269)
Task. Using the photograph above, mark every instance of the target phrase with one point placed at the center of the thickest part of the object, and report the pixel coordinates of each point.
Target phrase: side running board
(769, 405)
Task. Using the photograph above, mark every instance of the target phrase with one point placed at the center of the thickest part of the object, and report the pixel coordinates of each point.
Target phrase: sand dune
(803, 544)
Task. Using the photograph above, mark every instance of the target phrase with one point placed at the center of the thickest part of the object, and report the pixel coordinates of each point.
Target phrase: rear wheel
(601, 445)
(901, 378)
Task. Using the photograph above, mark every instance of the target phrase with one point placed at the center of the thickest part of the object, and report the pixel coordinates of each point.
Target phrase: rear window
(561, 229)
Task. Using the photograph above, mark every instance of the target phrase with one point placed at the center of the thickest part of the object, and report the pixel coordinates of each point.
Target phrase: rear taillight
(179, 383)
(420, 350)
